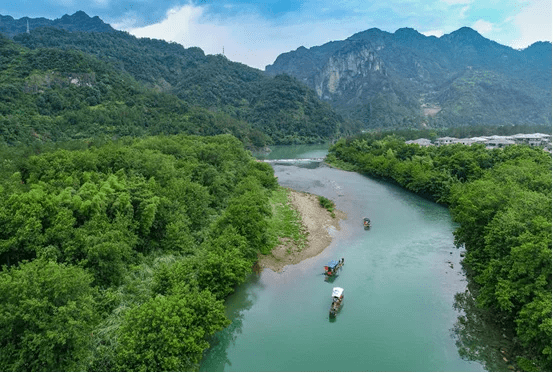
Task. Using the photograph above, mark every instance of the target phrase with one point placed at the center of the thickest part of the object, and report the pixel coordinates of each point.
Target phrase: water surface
(399, 286)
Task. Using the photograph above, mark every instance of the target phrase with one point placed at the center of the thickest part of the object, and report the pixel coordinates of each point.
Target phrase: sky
(255, 32)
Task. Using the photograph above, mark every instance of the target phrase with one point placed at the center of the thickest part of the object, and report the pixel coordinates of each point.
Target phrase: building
(445, 140)
(499, 142)
(532, 139)
(535, 139)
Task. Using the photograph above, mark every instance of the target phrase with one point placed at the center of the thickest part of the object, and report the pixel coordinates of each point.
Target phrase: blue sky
(255, 32)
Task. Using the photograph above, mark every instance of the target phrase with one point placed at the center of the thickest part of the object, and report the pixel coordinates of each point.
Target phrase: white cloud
(483, 27)
(463, 12)
(62, 2)
(180, 25)
(128, 21)
(534, 23)
(436, 33)
(251, 38)
(247, 37)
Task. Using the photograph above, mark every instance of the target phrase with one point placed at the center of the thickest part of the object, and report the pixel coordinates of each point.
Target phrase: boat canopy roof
(366, 219)
(337, 292)
(333, 263)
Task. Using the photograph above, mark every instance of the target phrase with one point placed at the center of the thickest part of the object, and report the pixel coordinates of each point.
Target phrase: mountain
(80, 21)
(406, 79)
(280, 107)
(52, 95)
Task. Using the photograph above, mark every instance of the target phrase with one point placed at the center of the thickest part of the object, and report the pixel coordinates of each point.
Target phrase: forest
(280, 109)
(50, 95)
(131, 207)
(118, 256)
(501, 200)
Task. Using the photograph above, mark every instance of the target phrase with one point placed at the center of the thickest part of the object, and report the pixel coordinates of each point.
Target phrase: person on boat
(342, 260)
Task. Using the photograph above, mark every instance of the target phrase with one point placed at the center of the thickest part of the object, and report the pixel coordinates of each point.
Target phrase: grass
(338, 163)
(285, 222)
(327, 204)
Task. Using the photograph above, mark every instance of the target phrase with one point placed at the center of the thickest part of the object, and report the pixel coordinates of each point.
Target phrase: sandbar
(316, 222)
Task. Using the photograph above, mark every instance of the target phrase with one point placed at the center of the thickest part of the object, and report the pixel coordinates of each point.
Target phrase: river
(399, 281)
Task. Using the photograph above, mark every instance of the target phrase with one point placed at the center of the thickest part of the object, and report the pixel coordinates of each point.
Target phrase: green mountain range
(278, 109)
(405, 79)
(80, 21)
(77, 77)
(52, 95)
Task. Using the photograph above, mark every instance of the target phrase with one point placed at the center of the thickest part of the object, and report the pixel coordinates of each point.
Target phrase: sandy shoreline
(316, 221)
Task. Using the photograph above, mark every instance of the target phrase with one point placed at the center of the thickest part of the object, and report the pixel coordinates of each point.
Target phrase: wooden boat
(366, 223)
(331, 269)
(337, 299)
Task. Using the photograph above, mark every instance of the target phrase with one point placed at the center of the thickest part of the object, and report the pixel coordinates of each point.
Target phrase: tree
(247, 213)
(221, 263)
(47, 313)
(168, 332)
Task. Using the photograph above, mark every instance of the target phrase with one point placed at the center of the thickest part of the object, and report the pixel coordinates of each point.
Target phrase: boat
(366, 223)
(337, 299)
(331, 269)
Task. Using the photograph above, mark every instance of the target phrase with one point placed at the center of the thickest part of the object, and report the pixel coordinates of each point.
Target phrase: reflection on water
(478, 338)
(294, 151)
(400, 315)
(215, 358)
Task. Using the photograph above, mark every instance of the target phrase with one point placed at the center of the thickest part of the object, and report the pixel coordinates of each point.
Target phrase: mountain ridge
(278, 109)
(79, 21)
(373, 79)
(383, 79)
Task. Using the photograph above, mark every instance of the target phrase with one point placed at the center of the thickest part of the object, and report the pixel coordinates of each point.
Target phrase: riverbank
(316, 221)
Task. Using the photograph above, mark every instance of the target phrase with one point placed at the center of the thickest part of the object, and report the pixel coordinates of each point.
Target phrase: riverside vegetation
(117, 257)
(501, 199)
(122, 232)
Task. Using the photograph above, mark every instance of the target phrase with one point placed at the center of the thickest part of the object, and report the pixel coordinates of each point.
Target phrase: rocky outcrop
(380, 79)
(343, 70)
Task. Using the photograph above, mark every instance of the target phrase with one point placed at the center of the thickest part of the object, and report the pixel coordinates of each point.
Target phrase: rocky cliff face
(381, 79)
(346, 69)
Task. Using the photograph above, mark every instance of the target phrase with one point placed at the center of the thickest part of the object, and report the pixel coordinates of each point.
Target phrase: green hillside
(406, 79)
(55, 95)
(281, 107)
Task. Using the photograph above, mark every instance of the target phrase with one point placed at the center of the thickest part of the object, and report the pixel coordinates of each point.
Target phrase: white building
(535, 139)
(499, 142)
(532, 139)
(445, 140)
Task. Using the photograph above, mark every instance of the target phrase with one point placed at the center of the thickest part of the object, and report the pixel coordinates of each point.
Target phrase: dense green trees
(168, 333)
(501, 199)
(276, 110)
(56, 95)
(47, 315)
(118, 257)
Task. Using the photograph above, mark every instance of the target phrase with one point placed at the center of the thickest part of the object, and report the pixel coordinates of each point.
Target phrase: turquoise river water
(399, 281)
